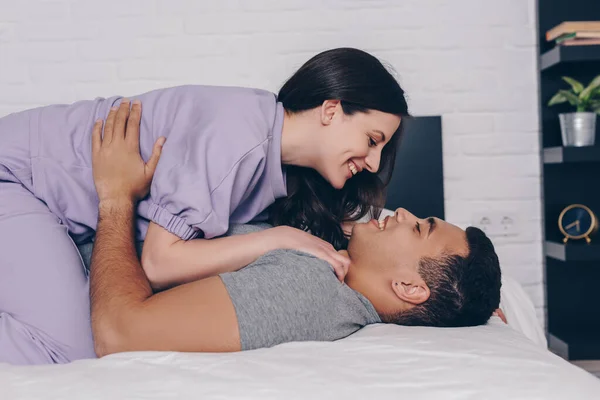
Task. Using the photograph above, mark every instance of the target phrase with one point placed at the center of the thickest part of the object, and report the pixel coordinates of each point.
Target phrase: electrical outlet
(496, 223)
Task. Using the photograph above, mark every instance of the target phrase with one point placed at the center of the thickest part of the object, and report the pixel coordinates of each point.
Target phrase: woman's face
(352, 143)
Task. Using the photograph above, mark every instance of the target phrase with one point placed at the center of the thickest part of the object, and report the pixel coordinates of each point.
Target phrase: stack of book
(575, 33)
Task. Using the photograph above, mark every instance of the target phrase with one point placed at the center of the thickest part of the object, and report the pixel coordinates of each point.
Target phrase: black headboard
(418, 179)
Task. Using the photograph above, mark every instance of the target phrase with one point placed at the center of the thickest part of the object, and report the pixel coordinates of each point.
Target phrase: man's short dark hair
(464, 291)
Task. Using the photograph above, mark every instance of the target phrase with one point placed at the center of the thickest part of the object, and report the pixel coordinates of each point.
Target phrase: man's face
(402, 241)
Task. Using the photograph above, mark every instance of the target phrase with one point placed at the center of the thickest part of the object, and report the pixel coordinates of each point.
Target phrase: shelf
(581, 345)
(561, 54)
(573, 252)
(559, 155)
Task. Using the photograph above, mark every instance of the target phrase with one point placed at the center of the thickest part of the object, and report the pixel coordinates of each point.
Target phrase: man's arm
(126, 316)
(115, 279)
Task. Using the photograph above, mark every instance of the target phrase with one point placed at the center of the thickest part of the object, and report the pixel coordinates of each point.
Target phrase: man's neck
(352, 280)
(357, 280)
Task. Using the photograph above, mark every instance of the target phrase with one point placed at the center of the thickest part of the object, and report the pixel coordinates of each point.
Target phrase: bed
(494, 361)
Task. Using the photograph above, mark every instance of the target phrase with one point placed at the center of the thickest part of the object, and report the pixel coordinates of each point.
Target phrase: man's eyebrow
(381, 133)
(432, 225)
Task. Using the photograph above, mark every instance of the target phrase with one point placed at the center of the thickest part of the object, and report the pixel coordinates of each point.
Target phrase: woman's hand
(286, 237)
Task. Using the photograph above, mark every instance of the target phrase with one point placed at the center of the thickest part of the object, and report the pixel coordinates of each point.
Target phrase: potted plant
(579, 128)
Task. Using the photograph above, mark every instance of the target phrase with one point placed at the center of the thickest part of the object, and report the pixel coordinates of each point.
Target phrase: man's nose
(403, 214)
(372, 161)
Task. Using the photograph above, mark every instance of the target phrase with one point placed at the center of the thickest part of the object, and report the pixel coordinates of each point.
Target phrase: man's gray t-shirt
(287, 295)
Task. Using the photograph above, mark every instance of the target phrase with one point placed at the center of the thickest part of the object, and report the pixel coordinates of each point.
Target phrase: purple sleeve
(186, 203)
(217, 142)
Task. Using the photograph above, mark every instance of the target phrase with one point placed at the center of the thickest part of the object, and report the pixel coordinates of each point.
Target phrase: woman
(230, 154)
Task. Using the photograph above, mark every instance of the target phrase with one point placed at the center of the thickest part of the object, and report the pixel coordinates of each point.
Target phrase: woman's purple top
(221, 162)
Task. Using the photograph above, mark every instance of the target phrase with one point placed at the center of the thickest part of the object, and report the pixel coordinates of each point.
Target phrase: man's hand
(499, 313)
(119, 171)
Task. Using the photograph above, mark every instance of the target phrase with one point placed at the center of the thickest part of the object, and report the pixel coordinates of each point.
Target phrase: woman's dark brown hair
(361, 83)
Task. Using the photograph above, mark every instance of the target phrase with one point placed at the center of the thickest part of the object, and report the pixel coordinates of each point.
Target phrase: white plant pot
(578, 128)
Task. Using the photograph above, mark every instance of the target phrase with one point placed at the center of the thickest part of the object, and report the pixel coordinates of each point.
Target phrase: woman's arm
(169, 261)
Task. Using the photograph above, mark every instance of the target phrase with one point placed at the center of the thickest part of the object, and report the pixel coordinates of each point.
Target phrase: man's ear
(328, 110)
(411, 292)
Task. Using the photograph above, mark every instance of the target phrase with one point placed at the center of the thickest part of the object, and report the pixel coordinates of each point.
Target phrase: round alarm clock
(577, 222)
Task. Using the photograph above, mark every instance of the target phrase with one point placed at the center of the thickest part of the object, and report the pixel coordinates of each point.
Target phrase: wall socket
(496, 224)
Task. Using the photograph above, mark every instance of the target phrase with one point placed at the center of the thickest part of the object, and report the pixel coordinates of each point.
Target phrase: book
(572, 27)
(578, 35)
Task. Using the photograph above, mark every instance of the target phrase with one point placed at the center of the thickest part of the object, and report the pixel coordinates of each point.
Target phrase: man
(405, 270)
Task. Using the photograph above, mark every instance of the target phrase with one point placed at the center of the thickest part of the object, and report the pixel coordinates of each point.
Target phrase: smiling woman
(357, 134)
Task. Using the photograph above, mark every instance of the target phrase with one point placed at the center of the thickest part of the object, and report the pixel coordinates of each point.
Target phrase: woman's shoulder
(205, 114)
(215, 93)
(224, 108)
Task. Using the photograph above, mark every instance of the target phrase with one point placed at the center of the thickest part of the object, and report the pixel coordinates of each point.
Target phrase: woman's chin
(339, 184)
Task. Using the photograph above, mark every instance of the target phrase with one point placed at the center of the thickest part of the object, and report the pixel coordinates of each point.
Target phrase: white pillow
(520, 312)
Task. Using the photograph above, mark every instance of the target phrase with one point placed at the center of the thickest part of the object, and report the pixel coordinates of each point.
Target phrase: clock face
(577, 221)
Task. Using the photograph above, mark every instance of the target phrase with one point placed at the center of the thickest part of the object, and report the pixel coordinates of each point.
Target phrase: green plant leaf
(587, 92)
(594, 105)
(558, 98)
(576, 85)
(571, 98)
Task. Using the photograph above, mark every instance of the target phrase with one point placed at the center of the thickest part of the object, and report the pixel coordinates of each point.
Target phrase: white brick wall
(472, 61)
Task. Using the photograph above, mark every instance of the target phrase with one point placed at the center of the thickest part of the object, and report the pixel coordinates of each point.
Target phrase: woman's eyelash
(372, 142)
(418, 228)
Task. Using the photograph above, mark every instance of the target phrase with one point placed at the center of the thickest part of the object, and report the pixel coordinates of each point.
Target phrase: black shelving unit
(573, 252)
(559, 155)
(575, 346)
(566, 54)
(570, 175)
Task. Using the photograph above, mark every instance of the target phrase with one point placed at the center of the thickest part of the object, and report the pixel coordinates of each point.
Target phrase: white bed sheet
(494, 361)
(378, 362)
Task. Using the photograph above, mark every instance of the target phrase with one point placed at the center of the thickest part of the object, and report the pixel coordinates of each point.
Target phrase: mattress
(494, 361)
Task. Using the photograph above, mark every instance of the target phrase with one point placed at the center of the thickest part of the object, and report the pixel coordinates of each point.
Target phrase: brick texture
(471, 61)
